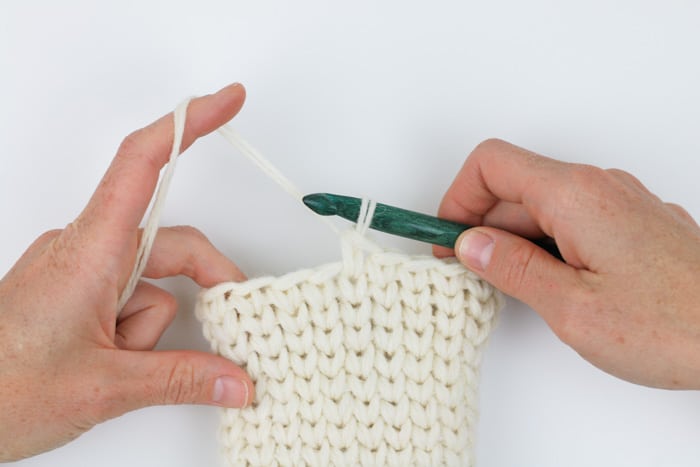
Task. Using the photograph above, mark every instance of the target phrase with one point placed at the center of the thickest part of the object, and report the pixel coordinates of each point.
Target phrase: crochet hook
(402, 222)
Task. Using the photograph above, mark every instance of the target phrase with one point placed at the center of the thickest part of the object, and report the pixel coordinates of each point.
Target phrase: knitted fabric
(373, 360)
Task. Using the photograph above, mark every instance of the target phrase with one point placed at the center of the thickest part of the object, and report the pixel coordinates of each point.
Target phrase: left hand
(67, 362)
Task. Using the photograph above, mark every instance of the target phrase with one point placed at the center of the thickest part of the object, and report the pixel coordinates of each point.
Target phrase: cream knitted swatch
(373, 360)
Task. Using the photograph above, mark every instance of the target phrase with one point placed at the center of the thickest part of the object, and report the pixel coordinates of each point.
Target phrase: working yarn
(372, 360)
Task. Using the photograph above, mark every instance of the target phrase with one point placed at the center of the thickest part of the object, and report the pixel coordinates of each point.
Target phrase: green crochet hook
(404, 223)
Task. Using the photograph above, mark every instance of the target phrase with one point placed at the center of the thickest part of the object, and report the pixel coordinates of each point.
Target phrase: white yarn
(151, 228)
(267, 168)
(372, 360)
(372, 364)
(251, 153)
(364, 217)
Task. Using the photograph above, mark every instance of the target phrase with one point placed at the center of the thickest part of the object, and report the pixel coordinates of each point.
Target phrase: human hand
(67, 362)
(626, 299)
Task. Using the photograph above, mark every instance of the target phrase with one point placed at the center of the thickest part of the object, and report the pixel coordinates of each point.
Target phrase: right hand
(627, 297)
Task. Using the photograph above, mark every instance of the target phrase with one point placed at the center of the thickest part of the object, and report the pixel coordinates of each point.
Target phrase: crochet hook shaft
(402, 222)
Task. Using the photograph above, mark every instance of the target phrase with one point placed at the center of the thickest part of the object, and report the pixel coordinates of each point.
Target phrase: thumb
(516, 266)
(179, 377)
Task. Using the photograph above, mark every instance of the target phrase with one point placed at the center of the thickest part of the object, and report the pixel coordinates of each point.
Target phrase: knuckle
(193, 249)
(169, 303)
(135, 146)
(680, 211)
(589, 176)
(588, 187)
(191, 232)
(621, 174)
(44, 241)
(65, 248)
(181, 384)
(628, 179)
(493, 146)
(518, 268)
(195, 241)
(130, 145)
(489, 146)
(47, 236)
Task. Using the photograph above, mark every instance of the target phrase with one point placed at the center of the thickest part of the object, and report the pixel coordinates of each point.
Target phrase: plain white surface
(383, 99)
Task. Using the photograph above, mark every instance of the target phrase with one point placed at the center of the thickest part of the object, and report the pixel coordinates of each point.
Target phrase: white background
(383, 99)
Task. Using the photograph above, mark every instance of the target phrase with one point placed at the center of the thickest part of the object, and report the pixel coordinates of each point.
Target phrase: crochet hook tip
(321, 203)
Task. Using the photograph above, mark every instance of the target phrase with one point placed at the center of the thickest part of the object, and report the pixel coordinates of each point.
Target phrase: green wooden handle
(402, 222)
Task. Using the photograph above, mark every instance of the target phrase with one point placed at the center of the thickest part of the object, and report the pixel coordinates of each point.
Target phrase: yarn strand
(245, 148)
(151, 228)
(364, 217)
(369, 361)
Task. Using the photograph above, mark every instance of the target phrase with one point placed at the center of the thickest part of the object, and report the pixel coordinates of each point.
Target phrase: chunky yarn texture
(373, 360)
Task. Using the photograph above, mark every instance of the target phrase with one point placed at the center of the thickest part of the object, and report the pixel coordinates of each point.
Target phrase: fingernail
(228, 87)
(230, 392)
(475, 249)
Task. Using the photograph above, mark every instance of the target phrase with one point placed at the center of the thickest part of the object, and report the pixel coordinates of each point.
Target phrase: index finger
(121, 199)
(497, 172)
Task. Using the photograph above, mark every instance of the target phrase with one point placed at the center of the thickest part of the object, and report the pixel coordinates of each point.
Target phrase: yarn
(364, 216)
(372, 360)
(151, 228)
(267, 168)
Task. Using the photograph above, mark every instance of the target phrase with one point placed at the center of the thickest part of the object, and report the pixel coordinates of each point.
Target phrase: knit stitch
(372, 361)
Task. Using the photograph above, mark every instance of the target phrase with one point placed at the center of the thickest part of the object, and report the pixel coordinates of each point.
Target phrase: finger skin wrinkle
(519, 271)
(182, 384)
(139, 146)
